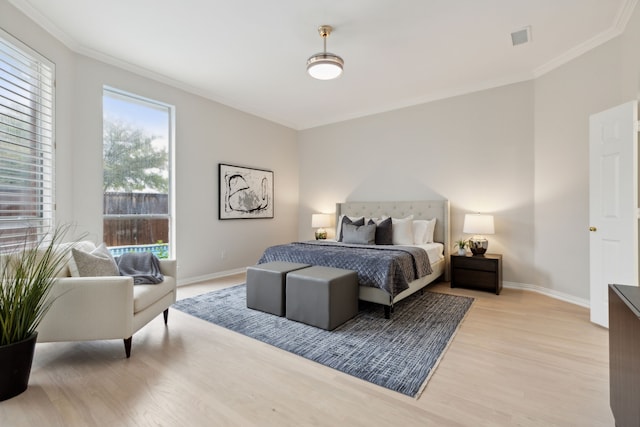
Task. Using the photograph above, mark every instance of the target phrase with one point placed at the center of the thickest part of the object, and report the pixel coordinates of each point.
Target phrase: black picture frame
(244, 192)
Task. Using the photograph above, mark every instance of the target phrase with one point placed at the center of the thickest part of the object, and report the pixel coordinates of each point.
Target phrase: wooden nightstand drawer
(475, 279)
(476, 263)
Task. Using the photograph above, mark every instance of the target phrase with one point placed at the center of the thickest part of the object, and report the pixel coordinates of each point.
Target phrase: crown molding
(619, 25)
(42, 21)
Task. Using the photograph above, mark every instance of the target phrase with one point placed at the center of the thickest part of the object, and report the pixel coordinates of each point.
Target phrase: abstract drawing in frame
(245, 192)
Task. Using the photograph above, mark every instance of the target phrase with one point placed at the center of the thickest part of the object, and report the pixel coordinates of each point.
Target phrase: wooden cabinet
(477, 272)
(624, 354)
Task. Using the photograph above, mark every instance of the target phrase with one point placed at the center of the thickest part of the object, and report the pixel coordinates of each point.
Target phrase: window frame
(171, 164)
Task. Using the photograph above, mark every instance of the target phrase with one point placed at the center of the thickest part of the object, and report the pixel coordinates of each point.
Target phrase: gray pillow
(361, 235)
(384, 232)
(347, 220)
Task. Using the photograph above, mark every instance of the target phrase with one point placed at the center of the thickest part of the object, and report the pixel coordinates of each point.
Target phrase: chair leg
(127, 346)
(166, 316)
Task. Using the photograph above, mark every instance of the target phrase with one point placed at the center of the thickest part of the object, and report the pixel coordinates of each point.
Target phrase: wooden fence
(135, 218)
(136, 204)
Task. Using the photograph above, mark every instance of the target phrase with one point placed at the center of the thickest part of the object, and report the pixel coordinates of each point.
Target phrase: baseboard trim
(192, 280)
(548, 292)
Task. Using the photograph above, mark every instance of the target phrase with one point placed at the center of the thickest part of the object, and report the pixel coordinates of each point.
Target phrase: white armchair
(98, 308)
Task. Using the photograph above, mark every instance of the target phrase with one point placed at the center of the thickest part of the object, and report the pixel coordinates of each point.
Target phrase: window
(26, 143)
(137, 135)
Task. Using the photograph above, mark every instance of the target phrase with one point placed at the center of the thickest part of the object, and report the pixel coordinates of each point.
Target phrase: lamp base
(321, 235)
(478, 245)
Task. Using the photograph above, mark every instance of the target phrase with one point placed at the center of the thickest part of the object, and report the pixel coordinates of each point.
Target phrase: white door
(613, 195)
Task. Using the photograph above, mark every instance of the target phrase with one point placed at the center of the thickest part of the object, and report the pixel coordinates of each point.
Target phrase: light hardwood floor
(519, 359)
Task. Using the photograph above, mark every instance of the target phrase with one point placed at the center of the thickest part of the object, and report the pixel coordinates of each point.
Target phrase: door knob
(593, 229)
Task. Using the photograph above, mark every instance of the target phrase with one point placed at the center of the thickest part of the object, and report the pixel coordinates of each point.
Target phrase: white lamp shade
(320, 220)
(478, 224)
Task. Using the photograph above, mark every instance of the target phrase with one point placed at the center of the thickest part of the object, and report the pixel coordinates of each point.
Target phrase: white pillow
(420, 231)
(423, 231)
(402, 230)
(98, 262)
(430, 230)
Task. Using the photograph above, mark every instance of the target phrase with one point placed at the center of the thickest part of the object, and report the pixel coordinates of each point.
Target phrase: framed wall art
(245, 192)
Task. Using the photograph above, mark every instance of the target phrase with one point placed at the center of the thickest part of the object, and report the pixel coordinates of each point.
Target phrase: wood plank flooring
(519, 359)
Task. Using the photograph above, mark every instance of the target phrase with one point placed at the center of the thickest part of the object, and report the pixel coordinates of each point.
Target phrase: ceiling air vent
(521, 36)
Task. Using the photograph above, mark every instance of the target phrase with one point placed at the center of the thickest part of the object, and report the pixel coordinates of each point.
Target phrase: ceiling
(251, 54)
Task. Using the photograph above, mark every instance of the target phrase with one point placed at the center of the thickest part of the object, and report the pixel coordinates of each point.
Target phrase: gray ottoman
(265, 285)
(324, 297)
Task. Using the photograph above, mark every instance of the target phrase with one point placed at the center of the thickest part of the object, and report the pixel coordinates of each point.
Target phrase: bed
(403, 274)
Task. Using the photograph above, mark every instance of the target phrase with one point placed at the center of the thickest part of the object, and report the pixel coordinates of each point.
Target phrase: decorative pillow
(361, 235)
(431, 228)
(420, 231)
(384, 231)
(423, 230)
(98, 262)
(347, 220)
(402, 230)
(84, 245)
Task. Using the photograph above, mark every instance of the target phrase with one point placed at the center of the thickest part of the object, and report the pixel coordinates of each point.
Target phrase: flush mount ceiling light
(324, 65)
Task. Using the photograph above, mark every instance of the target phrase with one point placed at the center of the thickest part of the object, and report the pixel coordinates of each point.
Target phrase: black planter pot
(15, 366)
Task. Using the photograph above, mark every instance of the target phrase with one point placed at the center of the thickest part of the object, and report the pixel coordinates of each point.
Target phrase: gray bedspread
(390, 268)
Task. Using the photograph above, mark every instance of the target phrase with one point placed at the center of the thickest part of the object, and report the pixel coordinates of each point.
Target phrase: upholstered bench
(266, 285)
(324, 297)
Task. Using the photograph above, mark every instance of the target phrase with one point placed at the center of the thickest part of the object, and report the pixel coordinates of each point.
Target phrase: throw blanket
(389, 268)
(144, 267)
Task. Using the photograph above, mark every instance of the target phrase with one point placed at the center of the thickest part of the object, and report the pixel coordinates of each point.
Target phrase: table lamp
(479, 225)
(320, 221)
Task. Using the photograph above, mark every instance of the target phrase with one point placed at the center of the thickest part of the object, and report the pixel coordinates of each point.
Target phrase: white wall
(564, 100)
(475, 150)
(207, 133)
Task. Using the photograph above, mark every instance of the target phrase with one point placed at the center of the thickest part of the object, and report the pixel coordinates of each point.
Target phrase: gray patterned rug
(399, 354)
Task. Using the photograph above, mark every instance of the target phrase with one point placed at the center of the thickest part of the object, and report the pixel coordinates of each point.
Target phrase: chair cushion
(145, 295)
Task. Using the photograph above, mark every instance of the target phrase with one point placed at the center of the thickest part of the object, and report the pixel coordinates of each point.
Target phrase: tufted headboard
(421, 209)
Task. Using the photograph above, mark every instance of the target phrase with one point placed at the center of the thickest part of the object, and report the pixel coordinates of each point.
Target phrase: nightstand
(477, 272)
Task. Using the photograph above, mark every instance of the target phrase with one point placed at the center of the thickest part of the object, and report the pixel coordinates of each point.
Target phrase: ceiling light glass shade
(325, 66)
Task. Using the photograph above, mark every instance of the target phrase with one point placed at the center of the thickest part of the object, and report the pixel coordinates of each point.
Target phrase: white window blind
(26, 143)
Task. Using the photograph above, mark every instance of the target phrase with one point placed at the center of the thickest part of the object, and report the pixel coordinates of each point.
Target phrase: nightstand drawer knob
(593, 229)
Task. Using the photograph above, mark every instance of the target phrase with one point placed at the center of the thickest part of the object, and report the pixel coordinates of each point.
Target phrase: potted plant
(27, 275)
(462, 246)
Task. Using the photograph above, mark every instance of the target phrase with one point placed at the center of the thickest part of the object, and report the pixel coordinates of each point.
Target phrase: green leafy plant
(462, 244)
(27, 275)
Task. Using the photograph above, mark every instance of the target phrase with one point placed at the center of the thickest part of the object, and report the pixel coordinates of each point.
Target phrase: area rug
(398, 353)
